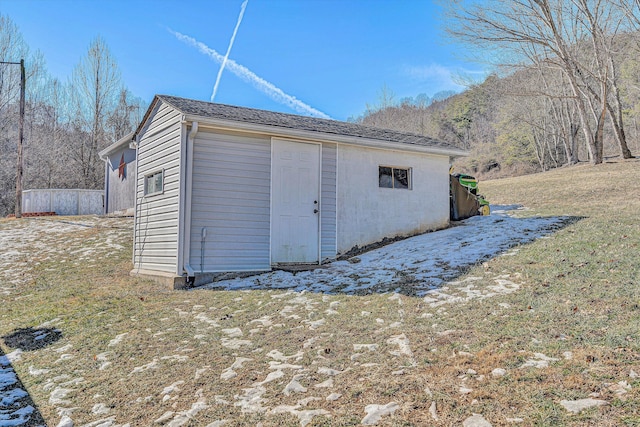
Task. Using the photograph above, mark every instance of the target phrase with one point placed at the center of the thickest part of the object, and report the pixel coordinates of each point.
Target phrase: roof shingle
(292, 121)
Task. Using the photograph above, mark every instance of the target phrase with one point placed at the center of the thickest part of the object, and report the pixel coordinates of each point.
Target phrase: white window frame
(393, 168)
(150, 178)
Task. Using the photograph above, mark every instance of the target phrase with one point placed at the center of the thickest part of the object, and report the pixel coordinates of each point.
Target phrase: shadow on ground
(416, 265)
(29, 339)
(16, 406)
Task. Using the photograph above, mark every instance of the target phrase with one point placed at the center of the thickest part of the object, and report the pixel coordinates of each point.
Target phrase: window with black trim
(154, 183)
(394, 177)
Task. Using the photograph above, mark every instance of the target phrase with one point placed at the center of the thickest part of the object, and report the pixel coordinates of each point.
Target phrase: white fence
(63, 202)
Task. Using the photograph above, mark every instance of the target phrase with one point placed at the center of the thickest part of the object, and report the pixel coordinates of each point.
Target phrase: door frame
(319, 189)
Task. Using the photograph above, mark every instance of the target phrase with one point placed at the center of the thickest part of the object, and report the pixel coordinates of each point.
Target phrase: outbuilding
(120, 176)
(230, 189)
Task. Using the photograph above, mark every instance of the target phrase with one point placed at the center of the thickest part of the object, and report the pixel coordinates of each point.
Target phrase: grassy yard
(132, 352)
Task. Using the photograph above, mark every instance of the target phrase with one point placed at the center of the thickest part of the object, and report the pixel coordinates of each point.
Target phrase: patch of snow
(64, 348)
(465, 390)
(325, 384)
(333, 397)
(403, 346)
(476, 420)
(182, 418)
(117, 340)
(230, 372)
(329, 372)
(428, 261)
(294, 386)
(65, 421)
(577, 406)
(315, 324)
(304, 416)
(14, 356)
(277, 355)
(433, 411)
(58, 396)
(151, 365)
(100, 409)
(368, 347)
(264, 321)
(164, 417)
(620, 389)
(498, 372)
(251, 401)
(376, 412)
(205, 319)
(272, 376)
(232, 332)
(234, 343)
(540, 361)
(173, 388)
(275, 365)
(176, 357)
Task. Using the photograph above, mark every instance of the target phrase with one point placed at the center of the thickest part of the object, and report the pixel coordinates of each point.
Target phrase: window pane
(147, 185)
(401, 178)
(157, 187)
(153, 183)
(385, 179)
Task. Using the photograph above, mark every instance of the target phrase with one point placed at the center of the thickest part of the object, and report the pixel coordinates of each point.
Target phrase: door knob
(316, 211)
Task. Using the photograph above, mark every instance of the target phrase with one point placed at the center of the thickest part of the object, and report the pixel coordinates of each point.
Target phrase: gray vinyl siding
(328, 199)
(156, 217)
(230, 198)
(120, 194)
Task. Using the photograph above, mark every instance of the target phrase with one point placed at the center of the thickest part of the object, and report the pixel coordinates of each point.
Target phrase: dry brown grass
(578, 293)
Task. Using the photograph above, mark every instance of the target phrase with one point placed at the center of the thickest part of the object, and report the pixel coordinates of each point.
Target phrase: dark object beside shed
(465, 201)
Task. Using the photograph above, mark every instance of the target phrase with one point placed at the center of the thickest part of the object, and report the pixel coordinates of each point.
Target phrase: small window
(391, 177)
(154, 183)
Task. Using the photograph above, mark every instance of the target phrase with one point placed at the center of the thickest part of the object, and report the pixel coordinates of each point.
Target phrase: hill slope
(524, 337)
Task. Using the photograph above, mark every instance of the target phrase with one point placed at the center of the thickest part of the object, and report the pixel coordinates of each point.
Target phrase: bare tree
(125, 116)
(552, 32)
(94, 89)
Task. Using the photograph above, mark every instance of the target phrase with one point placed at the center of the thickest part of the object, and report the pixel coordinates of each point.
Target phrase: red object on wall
(121, 168)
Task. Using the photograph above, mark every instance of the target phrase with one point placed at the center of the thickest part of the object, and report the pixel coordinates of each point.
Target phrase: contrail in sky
(226, 56)
(258, 82)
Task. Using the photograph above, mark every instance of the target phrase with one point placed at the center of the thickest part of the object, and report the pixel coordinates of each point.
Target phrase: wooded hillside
(565, 88)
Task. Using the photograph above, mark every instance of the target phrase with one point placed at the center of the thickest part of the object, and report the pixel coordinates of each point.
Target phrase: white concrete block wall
(368, 213)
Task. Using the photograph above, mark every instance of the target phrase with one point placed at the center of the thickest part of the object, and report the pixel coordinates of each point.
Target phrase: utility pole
(23, 81)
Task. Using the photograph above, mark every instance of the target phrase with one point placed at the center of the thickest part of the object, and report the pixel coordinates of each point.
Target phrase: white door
(295, 202)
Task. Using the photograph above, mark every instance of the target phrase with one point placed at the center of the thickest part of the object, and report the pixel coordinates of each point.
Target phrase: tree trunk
(615, 112)
(573, 159)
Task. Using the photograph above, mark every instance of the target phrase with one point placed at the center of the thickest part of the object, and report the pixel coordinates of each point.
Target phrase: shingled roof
(291, 121)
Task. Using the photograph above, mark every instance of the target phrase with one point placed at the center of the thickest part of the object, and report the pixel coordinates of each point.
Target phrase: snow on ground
(425, 266)
(15, 409)
(26, 244)
(415, 266)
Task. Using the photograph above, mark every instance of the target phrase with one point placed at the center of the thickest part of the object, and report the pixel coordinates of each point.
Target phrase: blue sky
(334, 56)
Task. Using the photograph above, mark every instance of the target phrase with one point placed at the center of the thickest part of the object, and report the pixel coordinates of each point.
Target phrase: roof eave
(276, 131)
(121, 143)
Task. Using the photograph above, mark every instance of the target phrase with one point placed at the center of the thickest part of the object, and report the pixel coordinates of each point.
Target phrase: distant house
(120, 176)
(230, 189)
